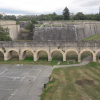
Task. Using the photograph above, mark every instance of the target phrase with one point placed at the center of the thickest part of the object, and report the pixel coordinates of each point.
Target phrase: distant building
(99, 10)
(2, 13)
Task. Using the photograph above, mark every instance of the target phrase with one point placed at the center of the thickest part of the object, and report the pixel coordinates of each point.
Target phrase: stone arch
(97, 52)
(71, 50)
(74, 55)
(59, 51)
(89, 51)
(97, 55)
(12, 50)
(1, 55)
(37, 53)
(9, 53)
(42, 50)
(23, 53)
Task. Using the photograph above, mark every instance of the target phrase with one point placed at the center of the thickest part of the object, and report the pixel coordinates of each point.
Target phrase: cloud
(48, 6)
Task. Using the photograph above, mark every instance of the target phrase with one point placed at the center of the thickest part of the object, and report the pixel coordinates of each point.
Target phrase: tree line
(48, 17)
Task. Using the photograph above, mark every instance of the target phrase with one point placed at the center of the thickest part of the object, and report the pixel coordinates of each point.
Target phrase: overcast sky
(35, 7)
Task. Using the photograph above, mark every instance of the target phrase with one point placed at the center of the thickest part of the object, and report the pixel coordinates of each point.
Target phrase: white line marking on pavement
(10, 77)
(13, 94)
(3, 71)
(6, 89)
(37, 69)
(26, 75)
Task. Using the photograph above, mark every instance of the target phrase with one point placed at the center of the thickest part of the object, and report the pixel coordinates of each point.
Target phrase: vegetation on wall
(4, 34)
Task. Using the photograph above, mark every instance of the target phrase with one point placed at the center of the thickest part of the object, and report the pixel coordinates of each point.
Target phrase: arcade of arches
(49, 55)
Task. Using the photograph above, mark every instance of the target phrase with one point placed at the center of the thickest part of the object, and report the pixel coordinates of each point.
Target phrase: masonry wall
(66, 32)
(13, 28)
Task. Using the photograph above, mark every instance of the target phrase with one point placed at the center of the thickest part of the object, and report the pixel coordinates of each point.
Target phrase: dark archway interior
(14, 54)
(43, 55)
(57, 55)
(87, 55)
(72, 55)
(98, 56)
(28, 55)
(1, 56)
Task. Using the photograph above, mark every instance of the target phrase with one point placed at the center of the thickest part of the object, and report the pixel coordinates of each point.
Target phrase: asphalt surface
(18, 82)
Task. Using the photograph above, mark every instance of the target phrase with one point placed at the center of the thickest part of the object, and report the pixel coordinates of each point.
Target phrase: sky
(37, 7)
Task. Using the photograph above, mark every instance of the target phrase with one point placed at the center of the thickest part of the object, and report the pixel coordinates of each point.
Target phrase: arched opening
(98, 56)
(27, 55)
(86, 56)
(71, 57)
(42, 55)
(57, 55)
(13, 55)
(1, 56)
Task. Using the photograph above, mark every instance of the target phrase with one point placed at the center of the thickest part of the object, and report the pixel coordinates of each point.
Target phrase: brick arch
(71, 50)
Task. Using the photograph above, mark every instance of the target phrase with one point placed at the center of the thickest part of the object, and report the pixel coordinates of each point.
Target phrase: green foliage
(17, 22)
(92, 38)
(9, 17)
(29, 27)
(3, 49)
(1, 16)
(33, 21)
(4, 34)
(79, 16)
(66, 13)
(45, 91)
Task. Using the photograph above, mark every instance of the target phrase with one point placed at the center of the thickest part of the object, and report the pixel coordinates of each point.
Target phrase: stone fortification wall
(51, 44)
(13, 28)
(66, 32)
(54, 33)
(49, 47)
(86, 29)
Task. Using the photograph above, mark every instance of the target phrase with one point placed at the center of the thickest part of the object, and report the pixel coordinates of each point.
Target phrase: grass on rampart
(74, 83)
(38, 24)
(92, 38)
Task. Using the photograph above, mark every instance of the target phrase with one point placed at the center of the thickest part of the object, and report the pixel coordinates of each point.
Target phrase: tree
(1, 16)
(29, 27)
(79, 16)
(4, 34)
(66, 13)
(33, 21)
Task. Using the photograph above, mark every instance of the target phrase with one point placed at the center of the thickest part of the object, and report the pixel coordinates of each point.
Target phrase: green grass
(92, 38)
(74, 83)
(38, 24)
(57, 24)
(47, 24)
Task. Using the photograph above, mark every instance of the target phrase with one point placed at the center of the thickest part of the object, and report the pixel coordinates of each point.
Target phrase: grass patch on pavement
(74, 83)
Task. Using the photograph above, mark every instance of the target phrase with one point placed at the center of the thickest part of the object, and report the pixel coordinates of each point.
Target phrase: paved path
(84, 62)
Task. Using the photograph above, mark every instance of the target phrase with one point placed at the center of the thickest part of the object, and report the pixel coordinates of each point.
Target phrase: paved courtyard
(23, 82)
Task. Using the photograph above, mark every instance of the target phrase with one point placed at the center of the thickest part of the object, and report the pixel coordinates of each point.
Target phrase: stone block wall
(13, 28)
